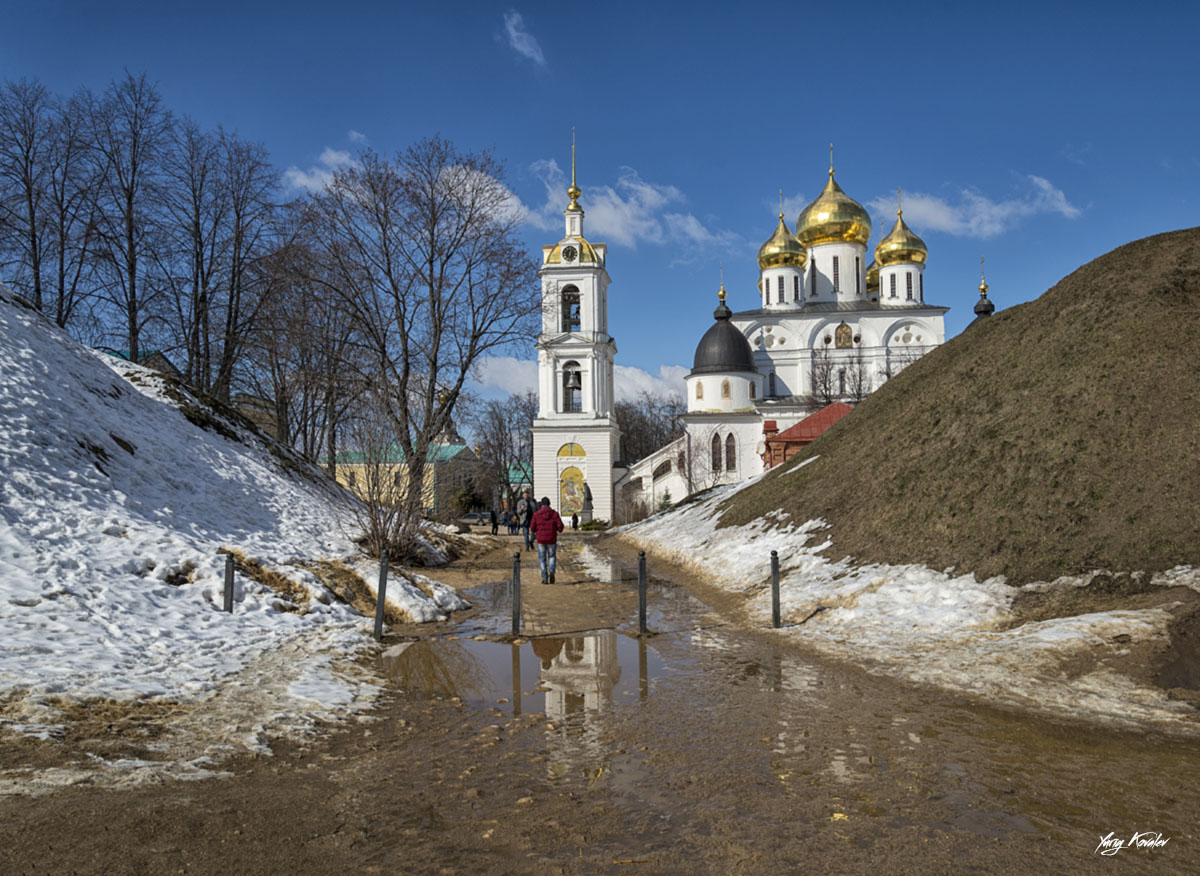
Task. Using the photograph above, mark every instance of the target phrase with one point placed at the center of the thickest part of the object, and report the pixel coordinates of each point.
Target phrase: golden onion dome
(782, 249)
(873, 278)
(901, 246)
(834, 217)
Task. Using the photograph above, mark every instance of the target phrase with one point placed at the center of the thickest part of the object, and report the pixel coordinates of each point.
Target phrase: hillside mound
(122, 493)
(1056, 437)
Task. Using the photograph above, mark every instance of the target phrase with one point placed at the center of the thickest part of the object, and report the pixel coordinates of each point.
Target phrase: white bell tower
(575, 435)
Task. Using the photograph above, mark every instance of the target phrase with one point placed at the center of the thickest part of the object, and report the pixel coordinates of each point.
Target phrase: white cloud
(977, 215)
(630, 212)
(630, 382)
(520, 40)
(319, 175)
(356, 136)
(507, 375)
(792, 205)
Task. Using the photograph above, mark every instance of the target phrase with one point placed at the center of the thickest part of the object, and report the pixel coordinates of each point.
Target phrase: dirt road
(706, 748)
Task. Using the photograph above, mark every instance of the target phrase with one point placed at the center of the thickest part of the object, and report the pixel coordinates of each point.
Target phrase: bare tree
(27, 112)
(129, 126)
(74, 179)
(502, 429)
(197, 204)
(648, 423)
(823, 376)
(705, 461)
(424, 253)
(858, 378)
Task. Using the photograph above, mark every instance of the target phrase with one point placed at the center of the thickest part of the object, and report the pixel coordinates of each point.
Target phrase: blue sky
(1039, 135)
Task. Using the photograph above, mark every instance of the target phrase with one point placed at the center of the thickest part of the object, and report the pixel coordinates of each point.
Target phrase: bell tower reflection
(578, 672)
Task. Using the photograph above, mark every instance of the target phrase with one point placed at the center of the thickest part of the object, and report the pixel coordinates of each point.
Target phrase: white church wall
(852, 271)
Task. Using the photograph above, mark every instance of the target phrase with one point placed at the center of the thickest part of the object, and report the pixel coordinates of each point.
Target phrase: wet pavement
(582, 748)
(707, 731)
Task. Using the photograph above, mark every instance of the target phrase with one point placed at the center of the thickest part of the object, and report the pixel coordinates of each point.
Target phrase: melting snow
(921, 624)
(113, 507)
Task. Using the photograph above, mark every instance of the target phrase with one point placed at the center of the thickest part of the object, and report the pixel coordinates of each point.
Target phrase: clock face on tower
(569, 253)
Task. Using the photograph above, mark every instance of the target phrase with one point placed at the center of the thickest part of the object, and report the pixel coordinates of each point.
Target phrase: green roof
(520, 472)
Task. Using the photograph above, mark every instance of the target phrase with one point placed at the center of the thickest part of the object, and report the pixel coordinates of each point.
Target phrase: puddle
(561, 677)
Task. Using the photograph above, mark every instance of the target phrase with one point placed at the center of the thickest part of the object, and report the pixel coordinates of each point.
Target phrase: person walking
(525, 509)
(494, 520)
(574, 520)
(546, 526)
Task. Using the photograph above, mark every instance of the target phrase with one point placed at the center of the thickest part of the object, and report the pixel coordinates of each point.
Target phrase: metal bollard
(382, 600)
(229, 583)
(516, 595)
(775, 589)
(641, 592)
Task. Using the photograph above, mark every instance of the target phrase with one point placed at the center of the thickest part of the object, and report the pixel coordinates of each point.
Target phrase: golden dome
(782, 249)
(834, 217)
(873, 278)
(901, 246)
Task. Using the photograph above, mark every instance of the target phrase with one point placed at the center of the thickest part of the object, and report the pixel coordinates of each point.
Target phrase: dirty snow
(922, 624)
(113, 510)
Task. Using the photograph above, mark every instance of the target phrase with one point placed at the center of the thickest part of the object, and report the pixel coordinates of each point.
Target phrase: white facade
(828, 329)
(575, 436)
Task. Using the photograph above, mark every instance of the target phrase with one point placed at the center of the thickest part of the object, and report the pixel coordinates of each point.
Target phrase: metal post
(382, 600)
(775, 589)
(229, 582)
(641, 592)
(516, 594)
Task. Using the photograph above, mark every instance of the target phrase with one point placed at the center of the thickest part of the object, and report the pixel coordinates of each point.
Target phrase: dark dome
(723, 347)
(984, 307)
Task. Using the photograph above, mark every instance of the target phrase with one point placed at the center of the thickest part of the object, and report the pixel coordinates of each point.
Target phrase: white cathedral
(827, 325)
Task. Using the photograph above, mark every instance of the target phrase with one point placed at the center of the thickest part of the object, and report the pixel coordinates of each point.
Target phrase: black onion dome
(983, 307)
(723, 347)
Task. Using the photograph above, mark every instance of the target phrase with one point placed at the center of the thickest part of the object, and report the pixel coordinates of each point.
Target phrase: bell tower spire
(575, 435)
(574, 212)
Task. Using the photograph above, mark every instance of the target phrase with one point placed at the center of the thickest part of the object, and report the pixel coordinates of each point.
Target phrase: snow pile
(118, 494)
(921, 624)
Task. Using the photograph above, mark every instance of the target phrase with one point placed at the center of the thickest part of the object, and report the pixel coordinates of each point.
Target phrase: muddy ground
(705, 748)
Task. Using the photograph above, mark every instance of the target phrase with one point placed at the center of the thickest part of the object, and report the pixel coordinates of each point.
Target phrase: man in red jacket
(545, 526)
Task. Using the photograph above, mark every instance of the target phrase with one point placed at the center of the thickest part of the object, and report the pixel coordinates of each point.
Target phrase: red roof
(812, 427)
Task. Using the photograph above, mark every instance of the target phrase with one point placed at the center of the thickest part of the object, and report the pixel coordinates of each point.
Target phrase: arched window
(730, 453)
(779, 289)
(699, 389)
(812, 280)
(893, 286)
(753, 393)
(837, 283)
(771, 384)
(725, 393)
(661, 469)
(572, 388)
(569, 306)
(908, 279)
(921, 284)
(716, 453)
(858, 275)
(841, 381)
(795, 287)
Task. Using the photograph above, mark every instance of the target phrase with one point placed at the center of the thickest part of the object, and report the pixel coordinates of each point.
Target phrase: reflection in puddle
(572, 680)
